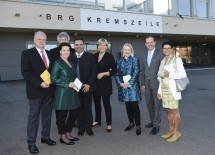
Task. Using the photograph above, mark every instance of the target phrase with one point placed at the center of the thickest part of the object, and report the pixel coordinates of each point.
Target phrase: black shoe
(129, 127)
(75, 125)
(96, 124)
(154, 130)
(48, 141)
(33, 149)
(138, 131)
(90, 133)
(74, 139)
(149, 125)
(80, 132)
(109, 130)
(69, 143)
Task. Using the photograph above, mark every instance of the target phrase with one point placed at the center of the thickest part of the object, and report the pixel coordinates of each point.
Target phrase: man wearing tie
(34, 62)
(86, 72)
(151, 63)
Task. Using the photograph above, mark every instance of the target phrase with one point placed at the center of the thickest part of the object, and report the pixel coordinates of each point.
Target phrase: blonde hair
(103, 40)
(131, 47)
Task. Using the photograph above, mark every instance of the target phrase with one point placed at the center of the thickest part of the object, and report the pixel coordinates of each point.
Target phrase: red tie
(44, 59)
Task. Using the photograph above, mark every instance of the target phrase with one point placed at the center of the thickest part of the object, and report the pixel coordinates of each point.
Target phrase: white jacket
(173, 74)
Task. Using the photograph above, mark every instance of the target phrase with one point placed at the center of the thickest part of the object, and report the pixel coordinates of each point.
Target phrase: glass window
(200, 8)
(134, 5)
(111, 5)
(55, 2)
(148, 6)
(161, 7)
(81, 3)
(49, 45)
(212, 8)
(184, 7)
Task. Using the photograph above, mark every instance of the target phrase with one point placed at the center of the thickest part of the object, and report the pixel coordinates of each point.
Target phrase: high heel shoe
(69, 143)
(74, 139)
(96, 124)
(174, 139)
(129, 127)
(168, 135)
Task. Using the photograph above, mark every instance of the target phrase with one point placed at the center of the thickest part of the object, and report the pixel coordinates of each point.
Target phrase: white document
(78, 84)
(126, 78)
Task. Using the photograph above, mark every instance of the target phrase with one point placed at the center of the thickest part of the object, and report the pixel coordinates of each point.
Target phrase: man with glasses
(151, 62)
(34, 62)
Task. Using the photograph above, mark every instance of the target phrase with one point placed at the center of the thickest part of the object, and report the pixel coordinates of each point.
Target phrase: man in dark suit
(151, 62)
(34, 62)
(54, 53)
(86, 71)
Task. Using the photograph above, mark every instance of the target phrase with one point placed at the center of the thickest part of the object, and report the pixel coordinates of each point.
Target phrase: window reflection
(212, 8)
(184, 7)
(200, 8)
(111, 4)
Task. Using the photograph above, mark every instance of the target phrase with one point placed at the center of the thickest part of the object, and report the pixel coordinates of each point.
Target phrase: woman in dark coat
(66, 99)
(129, 88)
(106, 67)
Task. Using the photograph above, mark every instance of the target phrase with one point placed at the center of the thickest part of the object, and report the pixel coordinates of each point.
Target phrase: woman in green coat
(66, 99)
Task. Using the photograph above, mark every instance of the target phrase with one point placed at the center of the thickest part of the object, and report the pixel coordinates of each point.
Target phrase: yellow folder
(46, 77)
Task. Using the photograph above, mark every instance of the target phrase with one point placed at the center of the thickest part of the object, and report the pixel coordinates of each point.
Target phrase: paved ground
(197, 126)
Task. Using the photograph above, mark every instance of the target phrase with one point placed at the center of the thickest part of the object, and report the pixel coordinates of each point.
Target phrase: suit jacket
(32, 67)
(87, 69)
(65, 98)
(106, 64)
(149, 73)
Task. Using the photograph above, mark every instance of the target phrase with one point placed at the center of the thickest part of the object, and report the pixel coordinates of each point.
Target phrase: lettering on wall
(123, 21)
(59, 17)
(120, 22)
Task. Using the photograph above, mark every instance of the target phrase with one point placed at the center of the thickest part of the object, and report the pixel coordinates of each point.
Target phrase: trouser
(133, 112)
(85, 117)
(65, 120)
(107, 107)
(37, 106)
(154, 107)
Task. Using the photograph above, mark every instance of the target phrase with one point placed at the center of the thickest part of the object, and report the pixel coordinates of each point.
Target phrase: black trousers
(133, 112)
(107, 107)
(85, 116)
(37, 106)
(65, 120)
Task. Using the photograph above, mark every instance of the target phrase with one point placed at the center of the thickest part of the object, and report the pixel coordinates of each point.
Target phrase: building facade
(188, 23)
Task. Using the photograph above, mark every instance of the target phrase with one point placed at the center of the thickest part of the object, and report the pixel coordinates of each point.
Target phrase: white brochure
(126, 78)
(78, 84)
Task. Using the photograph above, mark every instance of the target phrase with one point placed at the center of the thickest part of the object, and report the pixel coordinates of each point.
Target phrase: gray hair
(61, 35)
(41, 32)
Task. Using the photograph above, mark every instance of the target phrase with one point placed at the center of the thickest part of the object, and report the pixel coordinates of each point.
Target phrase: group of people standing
(66, 64)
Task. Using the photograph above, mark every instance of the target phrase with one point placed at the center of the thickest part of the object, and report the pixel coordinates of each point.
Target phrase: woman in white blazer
(171, 68)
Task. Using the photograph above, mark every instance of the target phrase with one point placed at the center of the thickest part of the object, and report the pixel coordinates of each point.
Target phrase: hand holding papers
(46, 77)
(126, 78)
(78, 84)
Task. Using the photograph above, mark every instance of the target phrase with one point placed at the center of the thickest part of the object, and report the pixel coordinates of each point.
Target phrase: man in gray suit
(151, 62)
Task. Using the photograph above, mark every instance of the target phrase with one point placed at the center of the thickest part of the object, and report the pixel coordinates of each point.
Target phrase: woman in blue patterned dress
(127, 79)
